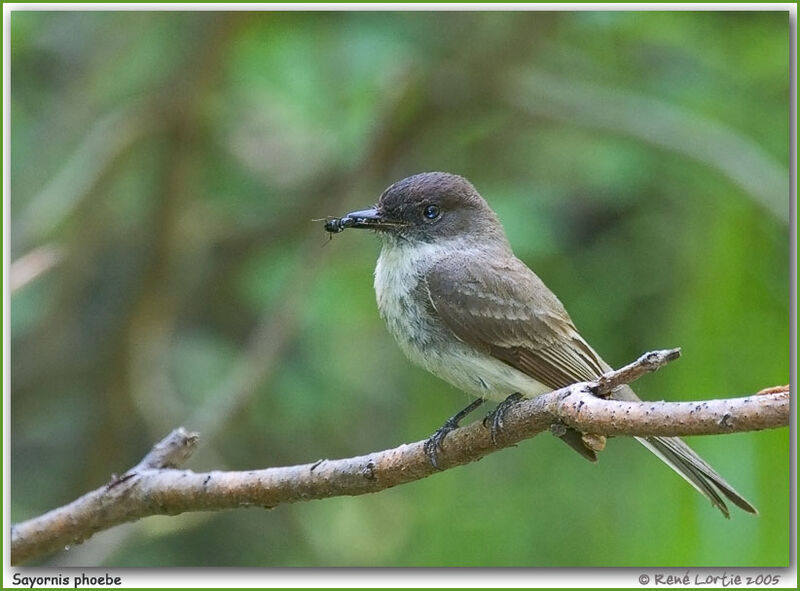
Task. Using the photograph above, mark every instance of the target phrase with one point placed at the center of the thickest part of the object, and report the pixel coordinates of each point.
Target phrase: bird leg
(496, 416)
(434, 443)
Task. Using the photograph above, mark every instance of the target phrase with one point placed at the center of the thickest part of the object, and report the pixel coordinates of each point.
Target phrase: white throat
(401, 264)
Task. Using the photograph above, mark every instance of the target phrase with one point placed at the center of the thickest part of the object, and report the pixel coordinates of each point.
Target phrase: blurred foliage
(174, 162)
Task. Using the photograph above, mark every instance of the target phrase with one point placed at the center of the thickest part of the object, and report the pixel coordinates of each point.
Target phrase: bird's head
(429, 207)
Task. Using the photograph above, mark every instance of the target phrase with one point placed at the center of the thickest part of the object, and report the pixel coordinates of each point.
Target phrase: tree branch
(156, 487)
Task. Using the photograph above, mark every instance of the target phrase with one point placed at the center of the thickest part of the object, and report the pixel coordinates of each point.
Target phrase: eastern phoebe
(461, 305)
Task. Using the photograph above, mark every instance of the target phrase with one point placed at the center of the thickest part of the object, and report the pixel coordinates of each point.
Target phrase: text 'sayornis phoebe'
(461, 305)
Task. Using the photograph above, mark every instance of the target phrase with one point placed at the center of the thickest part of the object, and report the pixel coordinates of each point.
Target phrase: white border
(422, 6)
(390, 578)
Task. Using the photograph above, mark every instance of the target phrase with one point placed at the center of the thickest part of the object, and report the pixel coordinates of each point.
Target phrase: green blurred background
(165, 169)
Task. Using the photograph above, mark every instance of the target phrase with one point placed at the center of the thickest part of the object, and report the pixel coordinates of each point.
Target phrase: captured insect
(336, 225)
(367, 218)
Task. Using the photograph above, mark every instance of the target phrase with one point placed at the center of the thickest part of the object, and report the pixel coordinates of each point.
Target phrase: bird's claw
(494, 420)
(433, 445)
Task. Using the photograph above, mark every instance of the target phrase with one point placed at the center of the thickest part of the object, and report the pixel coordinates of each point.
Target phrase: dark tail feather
(681, 458)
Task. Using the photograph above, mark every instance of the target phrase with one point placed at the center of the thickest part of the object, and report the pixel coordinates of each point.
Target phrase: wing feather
(503, 308)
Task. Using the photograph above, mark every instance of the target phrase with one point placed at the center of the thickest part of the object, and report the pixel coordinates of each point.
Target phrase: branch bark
(156, 486)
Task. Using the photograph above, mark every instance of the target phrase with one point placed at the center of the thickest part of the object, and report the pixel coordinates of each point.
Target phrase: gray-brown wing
(503, 308)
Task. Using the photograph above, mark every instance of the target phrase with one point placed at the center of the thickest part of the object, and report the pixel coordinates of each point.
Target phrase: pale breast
(405, 307)
(400, 303)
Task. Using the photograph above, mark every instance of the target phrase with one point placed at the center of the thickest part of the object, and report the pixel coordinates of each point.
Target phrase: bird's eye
(431, 212)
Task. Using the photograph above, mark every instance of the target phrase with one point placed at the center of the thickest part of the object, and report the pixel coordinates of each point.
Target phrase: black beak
(369, 218)
(366, 218)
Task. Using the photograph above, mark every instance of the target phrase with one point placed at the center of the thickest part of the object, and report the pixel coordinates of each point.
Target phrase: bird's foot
(433, 445)
(494, 420)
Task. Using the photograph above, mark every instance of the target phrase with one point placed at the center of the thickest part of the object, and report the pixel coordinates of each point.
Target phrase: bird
(461, 305)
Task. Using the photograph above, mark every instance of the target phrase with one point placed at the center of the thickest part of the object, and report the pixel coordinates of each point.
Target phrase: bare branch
(171, 452)
(156, 487)
(669, 419)
(647, 363)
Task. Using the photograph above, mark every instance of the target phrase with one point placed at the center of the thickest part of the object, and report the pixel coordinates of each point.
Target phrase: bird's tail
(694, 469)
(681, 458)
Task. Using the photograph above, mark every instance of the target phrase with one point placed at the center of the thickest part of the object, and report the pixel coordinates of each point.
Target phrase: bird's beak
(370, 219)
